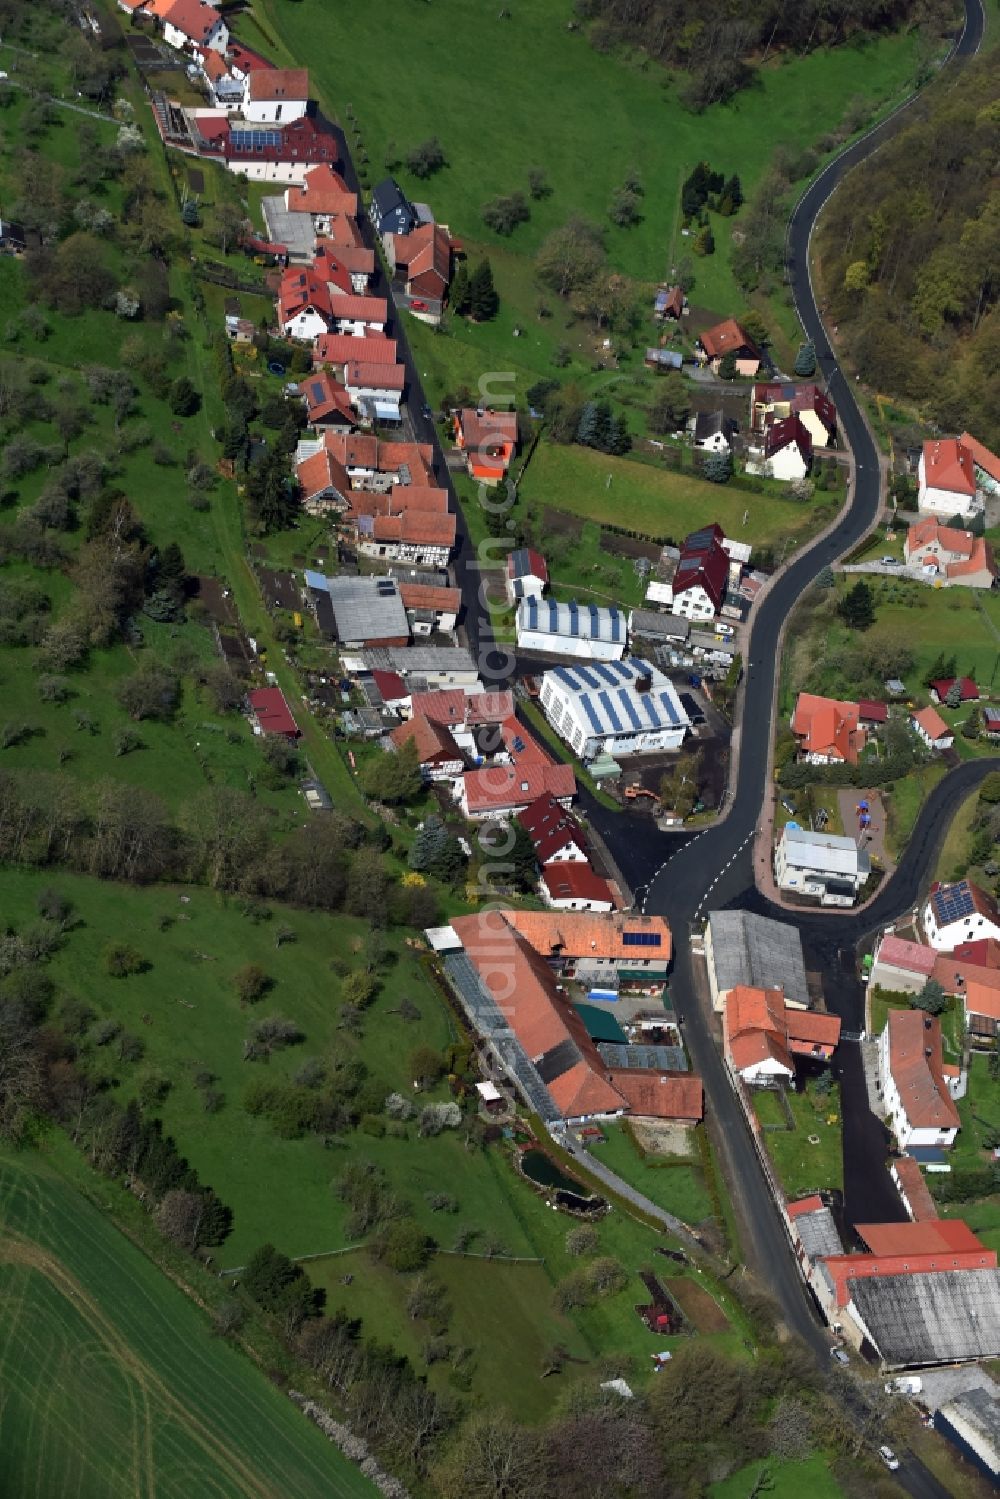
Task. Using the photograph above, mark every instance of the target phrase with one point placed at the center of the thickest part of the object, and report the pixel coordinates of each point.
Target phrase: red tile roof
(567, 880)
(426, 249)
(300, 288)
(579, 934)
(932, 1236)
(353, 308)
(338, 348)
(362, 375)
(911, 1181)
(192, 17)
(984, 952)
(501, 787)
(433, 742)
(450, 705)
(812, 1204)
(325, 398)
(521, 744)
(758, 1026)
(967, 687)
(272, 711)
(705, 567)
(488, 437)
(825, 726)
(390, 684)
(320, 473)
(783, 432)
(416, 527)
(933, 725)
(727, 337)
(912, 956)
(948, 465)
(981, 456)
(271, 85)
(872, 711)
(915, 1062)
(429, 596)
(551, 828)
(660, 1095)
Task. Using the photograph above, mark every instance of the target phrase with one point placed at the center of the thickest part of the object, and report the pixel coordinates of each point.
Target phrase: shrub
(120, 960)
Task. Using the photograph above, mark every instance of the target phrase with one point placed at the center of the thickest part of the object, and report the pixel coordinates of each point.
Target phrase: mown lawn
(115, 1383)
(658, 502)
(676, 1185)
(786, 1480)
(801, 1166)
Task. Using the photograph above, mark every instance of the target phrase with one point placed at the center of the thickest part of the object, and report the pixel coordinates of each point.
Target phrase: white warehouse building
(585, 630)
(616, 707)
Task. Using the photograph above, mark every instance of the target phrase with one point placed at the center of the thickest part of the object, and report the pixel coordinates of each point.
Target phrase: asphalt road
(683, 876)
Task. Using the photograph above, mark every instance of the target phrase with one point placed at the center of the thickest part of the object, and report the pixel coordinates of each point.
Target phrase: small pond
(543, 1171)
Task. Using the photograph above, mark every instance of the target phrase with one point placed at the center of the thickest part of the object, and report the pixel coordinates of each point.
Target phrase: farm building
(743, 948)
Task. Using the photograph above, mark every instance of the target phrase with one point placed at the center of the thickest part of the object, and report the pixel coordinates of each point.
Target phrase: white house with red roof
(959, 912)
(357, 316)
(328, 403)
(304, 310)
(556, 835)
(900, 965)
(986, 465)
(783, 450)
(931, 729)
(828, 731)
(949, 556)
(421, 267)
(566, 886)
(501, 791)
(276, 95)
(946, 479)
(190, 24)
(918, 1087)
(698, 588)
(376, 389)
(488, 439)
(728, 337)
(772, 401)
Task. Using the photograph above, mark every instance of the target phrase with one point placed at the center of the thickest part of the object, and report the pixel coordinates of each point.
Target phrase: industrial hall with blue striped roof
(585, 630)
(618, 708)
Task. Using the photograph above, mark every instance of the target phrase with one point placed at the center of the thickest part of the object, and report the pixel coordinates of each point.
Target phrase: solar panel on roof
(667, 704)
(316, 389)
(609, 672)
(609, 708)
(627, 706)
(588, 708)
(640, 939)
(589, 675)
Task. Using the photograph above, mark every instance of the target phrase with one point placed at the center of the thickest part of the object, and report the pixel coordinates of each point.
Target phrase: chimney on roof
(644, 683)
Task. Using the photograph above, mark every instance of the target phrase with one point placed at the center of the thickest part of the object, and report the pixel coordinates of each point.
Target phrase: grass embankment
(184, 1010)
(674, 1183)
(785, 1480)
(570, 104)
(114, 1383)
(803, 1164)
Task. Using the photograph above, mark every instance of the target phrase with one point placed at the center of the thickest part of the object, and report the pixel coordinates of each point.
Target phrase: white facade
(374, 402)
(621, 709)
(946, 502)
(693, 603)
(945, 936)
(787, 464)
(764, 1073)
(357, 326)
(271, 111)
(306, 325)
(906, 1133)
(421, 553)
(572, 902)
(217, 39)
(820, 865)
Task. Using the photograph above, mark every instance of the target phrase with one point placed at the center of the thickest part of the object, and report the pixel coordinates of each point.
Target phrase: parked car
(417, 305)
(890, 562)
(839, 1355)
(788, 806)
(889, 1458)
(721, 628)
(905, 1384)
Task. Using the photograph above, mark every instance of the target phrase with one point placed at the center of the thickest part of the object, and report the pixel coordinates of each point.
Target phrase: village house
(189, 24)
(275, 95)
(425, 538)
(782, 451)
(526, 574)
(698, 587)
(776, 402)
(727, 337)
(327, 402)
(556, 835)
(303, 307)
(949, 556)
(981, 1005)
(488, 439)
(502, 791)
(591, 631)
(474, 721)
(390, 210)
(356, 315)
(931, 729)
(421, 266)
(713, 432)
(828, 732)
(270, 713)
(742, 948)
(439, 756)
(375, 389)
(946, 479)
(430, 607)
(957, 913)
(985, 465)
(338, 350)
(324, 484)
(917, 1086)
(668, 303)
(618, 708)
(565, 886)
(545, 1049)
(762, 1036)
(900, 965)
(830, 868)
(613, 952)
(968, 692)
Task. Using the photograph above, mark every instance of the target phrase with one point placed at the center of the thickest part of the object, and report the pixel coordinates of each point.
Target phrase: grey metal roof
(646, 1058)
(367, 608)
(431, 659)
(976, 1415)
(938, 1317)
(579, 621)
(824, 852)
(609, 702)
(754, 950)
(651, 624)
(818, 1233)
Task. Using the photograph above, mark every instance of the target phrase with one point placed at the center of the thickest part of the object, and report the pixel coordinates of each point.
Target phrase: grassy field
(676, 1185)
(804, 1167)
(564, 104)
(114, 1384)
(979, 1111)
(660, 503)
(786, 1480)
(953, 857)
(904, 801)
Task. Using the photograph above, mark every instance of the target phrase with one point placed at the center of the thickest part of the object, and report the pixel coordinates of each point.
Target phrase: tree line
(909, 251)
